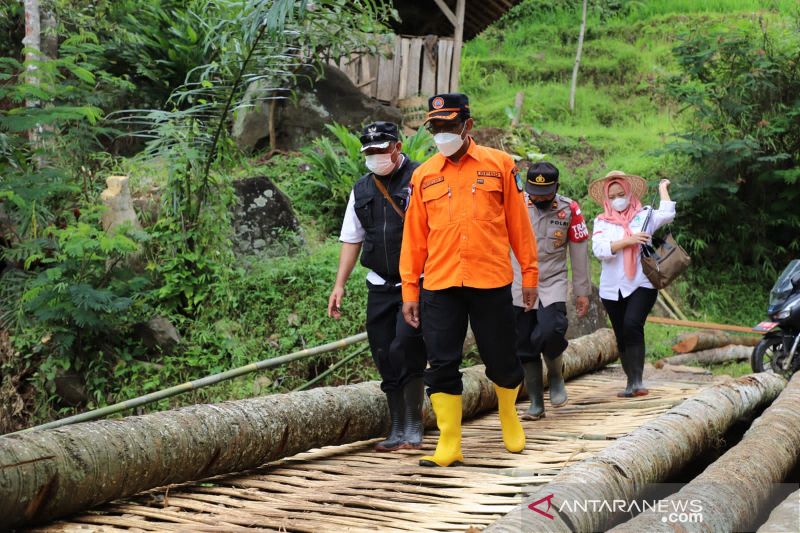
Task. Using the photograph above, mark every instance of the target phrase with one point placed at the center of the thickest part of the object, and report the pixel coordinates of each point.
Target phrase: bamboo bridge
(593, 443)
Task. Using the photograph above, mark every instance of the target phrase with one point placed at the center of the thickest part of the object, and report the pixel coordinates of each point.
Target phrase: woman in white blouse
(626, 293)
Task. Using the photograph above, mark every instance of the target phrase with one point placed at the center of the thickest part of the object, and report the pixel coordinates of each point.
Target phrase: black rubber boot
(637, 356)
(396, 411)
(624, 358)
(555, 381)
(414, 428)
(535, 387)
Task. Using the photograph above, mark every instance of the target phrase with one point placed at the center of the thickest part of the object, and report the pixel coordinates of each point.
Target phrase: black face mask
(544, 204)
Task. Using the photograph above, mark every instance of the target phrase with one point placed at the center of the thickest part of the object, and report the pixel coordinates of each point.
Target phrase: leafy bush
(743, 145)
(84, 290)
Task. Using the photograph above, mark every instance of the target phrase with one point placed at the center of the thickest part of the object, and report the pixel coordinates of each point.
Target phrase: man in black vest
(373, 227)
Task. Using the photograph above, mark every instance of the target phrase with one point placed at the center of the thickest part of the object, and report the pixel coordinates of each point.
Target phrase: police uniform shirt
(559, 228)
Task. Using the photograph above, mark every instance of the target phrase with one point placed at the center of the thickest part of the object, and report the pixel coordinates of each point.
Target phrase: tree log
(650, 454)
(734, 488)
(49, 473)
(785, 517)
(705, 340)
(732, 352)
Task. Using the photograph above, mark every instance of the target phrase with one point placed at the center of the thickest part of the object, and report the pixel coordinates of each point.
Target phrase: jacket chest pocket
(556, 239)
(437, 204)
(364, 211)
(487, 199)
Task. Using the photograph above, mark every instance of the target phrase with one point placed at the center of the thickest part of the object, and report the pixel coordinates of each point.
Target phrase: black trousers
(445, 314)
(541, 331)
(628, 316)
(397, 349)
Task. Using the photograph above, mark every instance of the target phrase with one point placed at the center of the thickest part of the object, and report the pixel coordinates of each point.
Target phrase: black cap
(542, 179)
(379, 135)
(449, 106)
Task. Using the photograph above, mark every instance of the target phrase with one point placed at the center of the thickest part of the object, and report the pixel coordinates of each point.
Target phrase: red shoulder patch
(578, 232)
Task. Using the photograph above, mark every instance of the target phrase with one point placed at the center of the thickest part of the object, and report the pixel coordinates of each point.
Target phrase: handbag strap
(385, 194)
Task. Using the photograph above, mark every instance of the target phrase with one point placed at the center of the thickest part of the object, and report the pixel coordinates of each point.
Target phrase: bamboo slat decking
(352, 488)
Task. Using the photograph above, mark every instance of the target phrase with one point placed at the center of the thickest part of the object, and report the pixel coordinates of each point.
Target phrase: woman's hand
(632, 240)
(639, 237)
(663, 191)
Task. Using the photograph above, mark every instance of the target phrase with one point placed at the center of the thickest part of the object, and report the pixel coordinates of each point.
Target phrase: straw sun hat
(597, 187)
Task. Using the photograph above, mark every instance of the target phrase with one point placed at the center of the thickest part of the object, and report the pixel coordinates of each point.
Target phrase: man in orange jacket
(465, 214)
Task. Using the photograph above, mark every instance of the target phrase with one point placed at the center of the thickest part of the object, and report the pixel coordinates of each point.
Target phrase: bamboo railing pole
(198, 384)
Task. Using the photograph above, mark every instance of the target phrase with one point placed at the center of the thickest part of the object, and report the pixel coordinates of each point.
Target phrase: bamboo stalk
(197, 384)
(671, 302)
(699, 325)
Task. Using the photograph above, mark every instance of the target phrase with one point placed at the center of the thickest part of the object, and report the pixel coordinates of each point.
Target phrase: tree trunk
(650, 454)
(732, 352)
(32, 42)
(734, 488)
(49, 473)
(784, 517)
(577, 60)
(705, 340)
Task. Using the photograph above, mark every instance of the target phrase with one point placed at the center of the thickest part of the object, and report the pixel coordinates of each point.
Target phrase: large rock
(262, 215)
(158, 334)
(332, 98)
(251, 121)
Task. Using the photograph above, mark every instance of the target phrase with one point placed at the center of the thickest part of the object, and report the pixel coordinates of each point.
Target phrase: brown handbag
(664, 259)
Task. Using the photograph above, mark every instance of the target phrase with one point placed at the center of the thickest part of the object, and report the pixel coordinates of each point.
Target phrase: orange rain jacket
(461, 219)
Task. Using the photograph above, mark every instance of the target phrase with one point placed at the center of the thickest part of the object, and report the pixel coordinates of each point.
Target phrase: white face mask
(380, 164)
(449, 143)
(620, 204)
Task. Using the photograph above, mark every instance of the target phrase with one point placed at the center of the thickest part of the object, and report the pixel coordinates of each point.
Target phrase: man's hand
(581, 306)
(529, 295)
(411, 313)
(335, 302)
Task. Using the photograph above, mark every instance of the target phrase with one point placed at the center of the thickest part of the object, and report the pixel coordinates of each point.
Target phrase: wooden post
(459, 39)
(457, 20)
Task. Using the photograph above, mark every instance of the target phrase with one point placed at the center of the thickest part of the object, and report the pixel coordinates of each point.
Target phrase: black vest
(382, 225)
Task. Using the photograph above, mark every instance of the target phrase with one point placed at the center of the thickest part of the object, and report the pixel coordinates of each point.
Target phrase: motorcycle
(778, 350)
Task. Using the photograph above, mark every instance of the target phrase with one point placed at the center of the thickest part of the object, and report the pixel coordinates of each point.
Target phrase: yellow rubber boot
(513, 434)
(448, 417)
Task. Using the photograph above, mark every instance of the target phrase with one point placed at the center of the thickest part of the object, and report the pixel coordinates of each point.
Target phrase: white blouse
(612, 276)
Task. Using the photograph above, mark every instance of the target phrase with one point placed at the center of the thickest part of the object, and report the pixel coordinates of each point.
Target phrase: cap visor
(378, 144)
(541, 190)
(442, 115)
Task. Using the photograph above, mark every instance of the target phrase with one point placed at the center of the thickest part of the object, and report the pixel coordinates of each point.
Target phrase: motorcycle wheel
(768, 355)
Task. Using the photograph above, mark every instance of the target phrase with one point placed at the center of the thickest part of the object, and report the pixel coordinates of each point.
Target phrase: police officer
(559, 225)
(373, 227)
(466, 211)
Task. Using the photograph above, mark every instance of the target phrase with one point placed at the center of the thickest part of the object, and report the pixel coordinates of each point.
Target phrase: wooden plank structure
(352, 488)
(406, 67)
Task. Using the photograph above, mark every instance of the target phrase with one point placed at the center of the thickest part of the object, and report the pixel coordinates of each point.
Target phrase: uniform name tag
(432, 181)
(490, 174)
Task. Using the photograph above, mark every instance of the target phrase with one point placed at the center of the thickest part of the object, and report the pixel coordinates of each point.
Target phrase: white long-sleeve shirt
(613, 280)
(353, 233)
